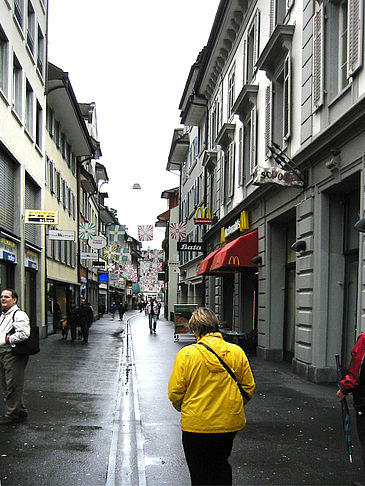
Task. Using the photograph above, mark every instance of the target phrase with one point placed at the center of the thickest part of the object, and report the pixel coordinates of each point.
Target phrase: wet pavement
(99, 415)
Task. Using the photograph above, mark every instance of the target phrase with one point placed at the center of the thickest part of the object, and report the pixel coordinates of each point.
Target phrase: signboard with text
(35, 216)
(190, 246)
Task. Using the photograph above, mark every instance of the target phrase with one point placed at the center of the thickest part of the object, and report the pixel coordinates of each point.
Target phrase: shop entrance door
(289, 313)
(228, 301)
(350, 307)
(30, 301)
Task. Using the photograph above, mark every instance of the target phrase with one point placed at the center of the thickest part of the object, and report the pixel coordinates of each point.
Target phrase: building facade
(279, 93)
(22, 151)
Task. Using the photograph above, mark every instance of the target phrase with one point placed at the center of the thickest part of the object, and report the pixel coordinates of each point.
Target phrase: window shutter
(355, 21)
(7, 193)
(272, 15)
(318, 56)
(245, 58)
(287, 98)
(231, 169)
(256, 45)
(268, 119)
(240, 157)
(253, 139)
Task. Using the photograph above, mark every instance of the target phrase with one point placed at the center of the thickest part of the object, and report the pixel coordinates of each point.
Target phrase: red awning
(236, 255)
(204, 267)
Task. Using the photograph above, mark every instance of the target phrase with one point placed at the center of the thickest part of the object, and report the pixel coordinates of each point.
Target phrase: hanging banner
(87, 230)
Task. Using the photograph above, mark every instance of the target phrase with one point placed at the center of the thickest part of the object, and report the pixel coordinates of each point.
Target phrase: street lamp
(360, 225)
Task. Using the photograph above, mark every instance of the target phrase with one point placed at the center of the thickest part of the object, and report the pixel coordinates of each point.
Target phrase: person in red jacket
(354, 382)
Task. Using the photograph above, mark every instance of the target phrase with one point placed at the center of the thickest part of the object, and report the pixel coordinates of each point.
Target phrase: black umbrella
(345, 413)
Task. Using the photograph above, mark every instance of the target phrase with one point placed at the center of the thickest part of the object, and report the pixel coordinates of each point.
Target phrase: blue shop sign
(10, 257)
(103, 277)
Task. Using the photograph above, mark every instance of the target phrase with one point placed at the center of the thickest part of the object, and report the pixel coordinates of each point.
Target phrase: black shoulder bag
(245, 395)
(28, 346)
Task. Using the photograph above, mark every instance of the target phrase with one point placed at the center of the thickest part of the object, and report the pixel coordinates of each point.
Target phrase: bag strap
(245, 395)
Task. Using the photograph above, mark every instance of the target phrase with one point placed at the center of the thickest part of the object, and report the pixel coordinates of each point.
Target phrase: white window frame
(17, 87)
(231, 89)
(4, 63)
(29, 108)
(31, 23)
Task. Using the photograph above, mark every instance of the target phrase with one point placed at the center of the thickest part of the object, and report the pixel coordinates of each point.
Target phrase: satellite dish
(136, 186)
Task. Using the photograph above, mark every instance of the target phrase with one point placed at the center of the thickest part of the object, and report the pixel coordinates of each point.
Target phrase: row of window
(343, 31)
(25, 17)
(55, 131)
(86, 209)
(23, 100)
(62, 251)
(59, 188)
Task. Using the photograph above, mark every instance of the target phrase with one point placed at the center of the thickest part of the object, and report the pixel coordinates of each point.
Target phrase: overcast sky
(132, 58)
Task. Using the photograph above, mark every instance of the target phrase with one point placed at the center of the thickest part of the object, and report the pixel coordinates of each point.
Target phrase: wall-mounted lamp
(214, 220)
(299, 246)
(257, 260)
(360, 225)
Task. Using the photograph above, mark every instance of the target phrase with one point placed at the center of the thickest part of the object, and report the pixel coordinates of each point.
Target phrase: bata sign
(183, 246)
(267, 175)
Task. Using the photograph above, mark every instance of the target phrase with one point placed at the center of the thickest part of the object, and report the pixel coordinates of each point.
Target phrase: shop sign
(10, 257)
(88, 255)
(103, 286)
(8, 250)
(99, 264)
(34, 216)
(203, 216)
(240, 224)
(103, 277)
(190, 246)
(65, 235)
(98, 242)
(31, 264)
(270, 175)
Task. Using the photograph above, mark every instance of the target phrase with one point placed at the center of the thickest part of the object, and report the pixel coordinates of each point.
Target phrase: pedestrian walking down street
(12, 366)
(113, 309)
(86, 318)
(72, 320)
(152, 312)
(354, 382)
(210, 401)
(121, 311)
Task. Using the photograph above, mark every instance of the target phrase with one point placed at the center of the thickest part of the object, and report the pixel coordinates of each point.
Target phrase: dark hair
(13, 293)
(203, 321)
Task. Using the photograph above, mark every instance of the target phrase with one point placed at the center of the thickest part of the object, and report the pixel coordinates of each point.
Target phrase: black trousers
(207, 457)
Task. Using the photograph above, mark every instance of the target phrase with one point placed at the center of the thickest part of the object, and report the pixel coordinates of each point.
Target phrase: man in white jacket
(12, 367)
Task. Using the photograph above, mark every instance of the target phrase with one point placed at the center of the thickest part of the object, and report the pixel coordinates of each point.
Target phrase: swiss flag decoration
(145, 233)
(178, 231)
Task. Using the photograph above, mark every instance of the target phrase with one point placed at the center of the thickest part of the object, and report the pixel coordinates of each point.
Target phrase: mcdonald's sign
(234, 260)
(202, 216)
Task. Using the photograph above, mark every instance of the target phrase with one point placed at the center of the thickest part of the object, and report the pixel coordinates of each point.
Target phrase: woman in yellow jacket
(209, 400)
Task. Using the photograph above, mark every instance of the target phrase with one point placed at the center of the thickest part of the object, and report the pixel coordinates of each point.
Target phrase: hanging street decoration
(145, 232)
(116, 233)
(178, 231)
(110, 253)
(87, 230)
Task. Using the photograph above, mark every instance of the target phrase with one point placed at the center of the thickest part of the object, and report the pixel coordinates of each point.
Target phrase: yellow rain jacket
(206, 395)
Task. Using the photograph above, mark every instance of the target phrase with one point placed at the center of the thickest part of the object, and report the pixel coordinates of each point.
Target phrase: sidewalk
(293, 434)
(70, 391)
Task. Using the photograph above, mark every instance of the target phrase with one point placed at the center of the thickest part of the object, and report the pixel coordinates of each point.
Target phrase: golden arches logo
(234, 260)
(204, 213)
(244, 225)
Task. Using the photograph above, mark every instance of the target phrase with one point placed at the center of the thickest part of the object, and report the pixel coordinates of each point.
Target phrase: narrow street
(99, 414)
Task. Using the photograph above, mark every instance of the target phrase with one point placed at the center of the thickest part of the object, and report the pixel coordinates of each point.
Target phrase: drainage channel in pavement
(126, 463)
